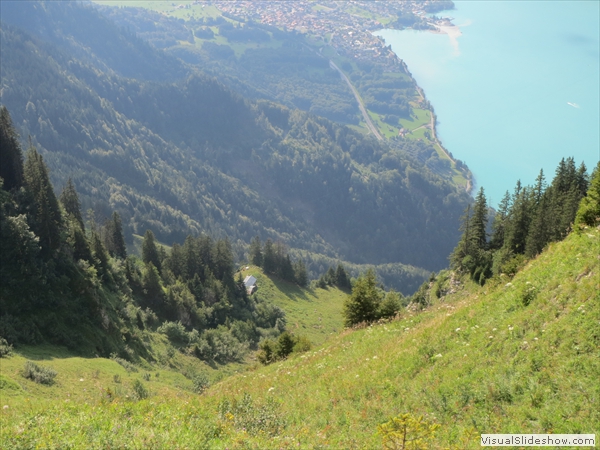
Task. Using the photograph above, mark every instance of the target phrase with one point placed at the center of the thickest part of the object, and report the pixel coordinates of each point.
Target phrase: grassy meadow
(516, 355)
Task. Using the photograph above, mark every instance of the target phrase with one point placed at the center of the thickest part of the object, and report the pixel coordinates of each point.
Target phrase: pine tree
(176, 261)
(463, 249)
(11, 156)
(500, 222)
(538, 235)
(255, 255)
(518, 220)
(46, 220)
(117, 238)
(149, 251)
(589, 208)
(70, 201)
(479, 221)
(300, 273)
(269, 262)
(341, 278)
(363, 303)
(152, 284)
(191, 259)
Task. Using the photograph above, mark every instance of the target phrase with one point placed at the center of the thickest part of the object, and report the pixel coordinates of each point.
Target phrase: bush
(406, 431)
(287, 343)
(39, 374)
(175, 331)
(5, 348)
(140, 391)
(201, 383)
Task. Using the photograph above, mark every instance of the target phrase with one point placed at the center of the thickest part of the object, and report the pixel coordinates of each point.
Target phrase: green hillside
(313, 312)
(517, 355)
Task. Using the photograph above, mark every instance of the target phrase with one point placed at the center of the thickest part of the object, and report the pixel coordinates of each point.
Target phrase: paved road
(359, 100)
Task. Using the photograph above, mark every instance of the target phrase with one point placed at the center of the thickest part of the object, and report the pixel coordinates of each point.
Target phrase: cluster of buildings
(345, 25)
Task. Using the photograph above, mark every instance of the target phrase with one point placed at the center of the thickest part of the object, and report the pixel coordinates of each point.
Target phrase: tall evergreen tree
(363, 303)
(342, 280)
(118, 241)
(479, 221)
(519, 220)
(300, 273)
(70, 201)
(500, 222)
(589, 208)
(11, 156)
(255, 255)
(46, 220)
(269, 261)
(150, 251)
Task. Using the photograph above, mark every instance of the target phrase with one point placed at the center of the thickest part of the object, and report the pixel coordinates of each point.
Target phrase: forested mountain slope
(192, 156)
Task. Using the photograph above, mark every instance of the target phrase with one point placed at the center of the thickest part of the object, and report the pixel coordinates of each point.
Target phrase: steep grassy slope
(313, 312)
(514, 356)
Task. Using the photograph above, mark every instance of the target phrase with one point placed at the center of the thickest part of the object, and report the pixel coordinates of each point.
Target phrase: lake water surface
(517, 91)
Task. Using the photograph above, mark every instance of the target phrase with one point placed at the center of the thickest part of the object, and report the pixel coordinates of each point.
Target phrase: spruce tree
(255, 255)
(363, 303)
(269, 262)
(342, 280)
(588, 213)
(117, 238)
(300, 273)
(500, 222)
(46, 220)
(11, 156)
(150, 251)
(70, 201)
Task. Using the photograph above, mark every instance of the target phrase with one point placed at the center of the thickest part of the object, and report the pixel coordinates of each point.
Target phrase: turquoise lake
(517, 91)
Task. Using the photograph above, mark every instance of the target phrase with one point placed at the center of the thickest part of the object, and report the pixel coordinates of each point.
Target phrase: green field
(166, 7)
(515, 356)
(419, 118)
(315, 313)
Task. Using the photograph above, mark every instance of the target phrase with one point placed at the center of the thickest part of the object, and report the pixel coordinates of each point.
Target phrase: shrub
(406, 432)
(39, 374)
(271, 351)
(140, 391)
(527, 294)
(201, 383)
(5, 348)
(175, 331)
